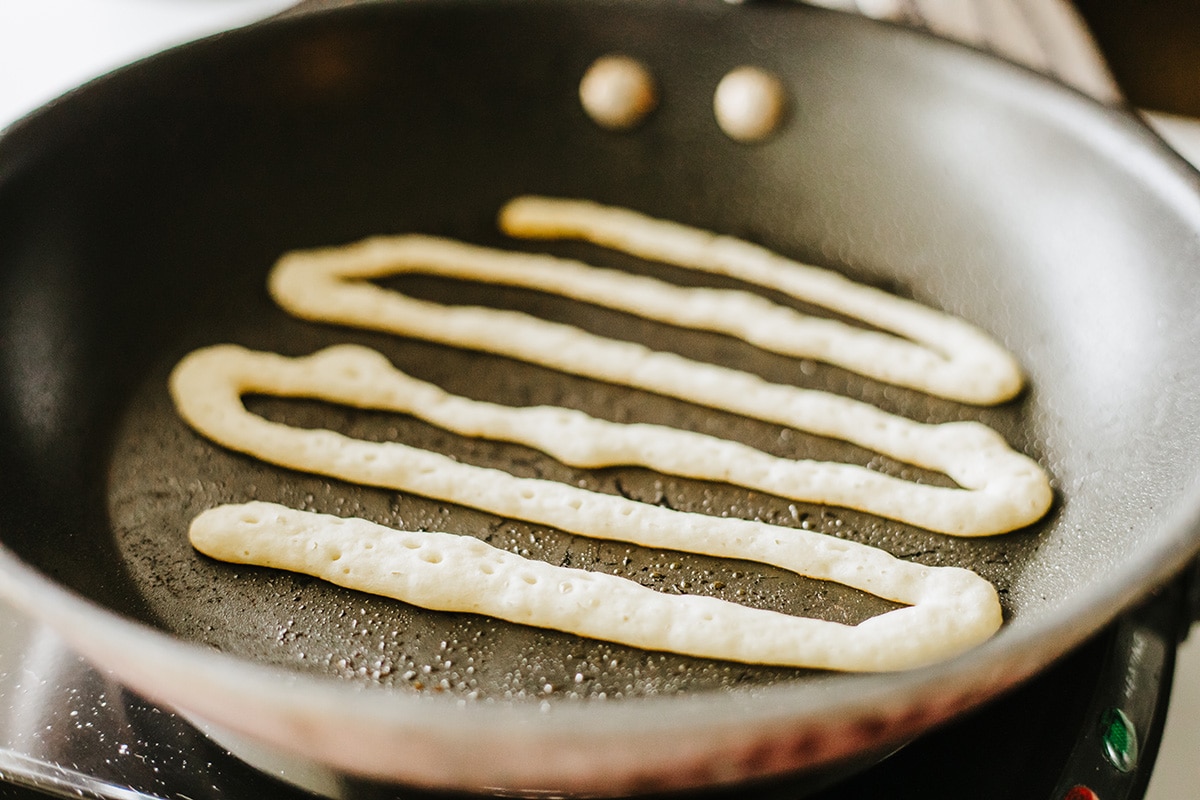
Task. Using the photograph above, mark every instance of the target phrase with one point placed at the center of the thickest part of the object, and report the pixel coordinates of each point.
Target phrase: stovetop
(65, 727)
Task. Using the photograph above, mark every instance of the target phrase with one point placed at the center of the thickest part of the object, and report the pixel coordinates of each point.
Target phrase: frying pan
(139, 216)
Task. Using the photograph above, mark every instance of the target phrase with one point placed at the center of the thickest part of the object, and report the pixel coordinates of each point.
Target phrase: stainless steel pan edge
(596, 748)
(589, 749)
(586, 749)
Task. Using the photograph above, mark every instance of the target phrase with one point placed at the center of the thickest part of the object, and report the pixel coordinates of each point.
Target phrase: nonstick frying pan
(140, 214)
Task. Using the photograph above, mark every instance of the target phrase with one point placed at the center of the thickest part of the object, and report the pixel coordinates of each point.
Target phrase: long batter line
(1001, 489)
(952, 609)
(947, 609)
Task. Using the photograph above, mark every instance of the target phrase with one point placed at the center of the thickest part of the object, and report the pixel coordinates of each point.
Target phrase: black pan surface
(139, 216)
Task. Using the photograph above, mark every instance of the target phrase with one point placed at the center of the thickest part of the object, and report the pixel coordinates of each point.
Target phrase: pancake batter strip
(947, 610)
(1003, 489)
(953, 609)
(929, 351)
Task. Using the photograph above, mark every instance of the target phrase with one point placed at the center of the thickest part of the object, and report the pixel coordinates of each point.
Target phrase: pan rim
(883, 712)
(949, 686)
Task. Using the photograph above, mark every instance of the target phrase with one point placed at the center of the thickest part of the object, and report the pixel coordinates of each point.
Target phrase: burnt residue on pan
(162, 474)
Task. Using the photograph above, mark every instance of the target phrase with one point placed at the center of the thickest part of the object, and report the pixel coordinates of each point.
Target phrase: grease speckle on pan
(738, 584)
(162, 475)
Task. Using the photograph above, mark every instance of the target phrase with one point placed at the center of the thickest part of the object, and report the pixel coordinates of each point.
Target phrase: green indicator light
(1120, 739)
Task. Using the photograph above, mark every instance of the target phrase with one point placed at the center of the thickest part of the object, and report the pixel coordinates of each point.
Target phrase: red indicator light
(1080, 793)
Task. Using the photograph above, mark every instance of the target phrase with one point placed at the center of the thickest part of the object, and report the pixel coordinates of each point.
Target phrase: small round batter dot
(749, 104)
(617, 92)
